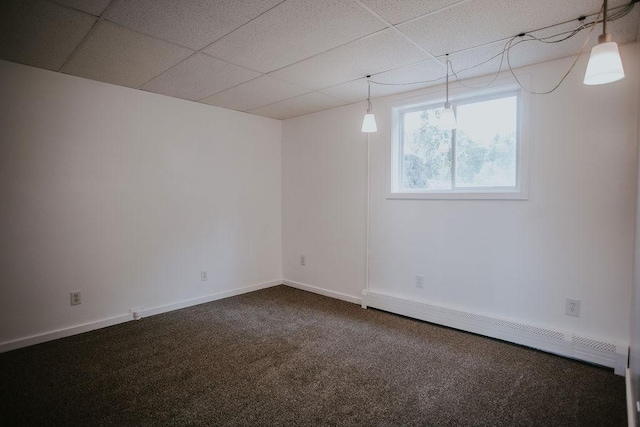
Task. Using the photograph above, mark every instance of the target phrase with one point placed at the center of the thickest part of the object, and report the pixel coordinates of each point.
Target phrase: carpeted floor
(281, 356)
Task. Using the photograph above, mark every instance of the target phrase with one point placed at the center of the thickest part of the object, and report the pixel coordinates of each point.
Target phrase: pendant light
(447, 117)
(605, 65)
(369, 121)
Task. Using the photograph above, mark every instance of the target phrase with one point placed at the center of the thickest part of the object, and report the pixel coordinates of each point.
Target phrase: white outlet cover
(76, 297)
(572, 307)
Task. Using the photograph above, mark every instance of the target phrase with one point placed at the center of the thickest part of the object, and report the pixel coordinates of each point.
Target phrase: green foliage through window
(480, 153)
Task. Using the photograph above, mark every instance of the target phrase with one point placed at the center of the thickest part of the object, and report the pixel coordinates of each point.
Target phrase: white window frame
(460, 96)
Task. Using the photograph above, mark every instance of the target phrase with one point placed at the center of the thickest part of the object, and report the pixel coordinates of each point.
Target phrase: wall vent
(553, 341)
(600, 345)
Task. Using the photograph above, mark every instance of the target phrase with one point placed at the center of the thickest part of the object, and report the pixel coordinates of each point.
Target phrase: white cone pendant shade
(605, 65)
(369, 123)
(447, 119)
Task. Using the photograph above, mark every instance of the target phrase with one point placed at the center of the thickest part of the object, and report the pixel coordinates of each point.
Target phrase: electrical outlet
(204, 275)
(572, 307)
(420, 281)
(303, 260)
(76, 298)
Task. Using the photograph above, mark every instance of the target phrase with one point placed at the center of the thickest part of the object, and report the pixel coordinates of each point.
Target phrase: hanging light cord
(621, 12)
(369, 106)
(604, 18)
(447, 85)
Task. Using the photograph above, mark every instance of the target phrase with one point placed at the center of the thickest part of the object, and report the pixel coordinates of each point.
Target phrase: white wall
(126, 196)
(634, 359)
(512, 259)
(324, 190)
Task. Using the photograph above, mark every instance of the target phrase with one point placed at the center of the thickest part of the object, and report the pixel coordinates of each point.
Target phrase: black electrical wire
(511, 42)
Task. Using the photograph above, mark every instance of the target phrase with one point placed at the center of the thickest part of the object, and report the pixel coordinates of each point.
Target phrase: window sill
(460, 195)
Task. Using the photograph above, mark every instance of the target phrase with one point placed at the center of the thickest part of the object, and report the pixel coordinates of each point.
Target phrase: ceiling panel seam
(66, 6)
(237, 28)
(375, 33)
(255, 78)
(210, 56)
(434, 12)
(393, 28)
(86, 36)
(297, 96)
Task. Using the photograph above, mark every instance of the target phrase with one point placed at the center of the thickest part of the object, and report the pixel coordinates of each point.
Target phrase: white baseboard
(208, 298)
(103, 323)
(563, 343)
(63, 332)
(322, 291)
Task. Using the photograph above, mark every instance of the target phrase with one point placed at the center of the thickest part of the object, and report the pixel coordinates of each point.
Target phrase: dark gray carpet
(281, 356)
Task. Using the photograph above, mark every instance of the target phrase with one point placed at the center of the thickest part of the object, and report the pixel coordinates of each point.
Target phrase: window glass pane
(426, 151)
(486, 143)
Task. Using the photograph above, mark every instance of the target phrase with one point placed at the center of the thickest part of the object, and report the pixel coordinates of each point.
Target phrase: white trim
(552, 340)
(631, 404)
(322, 291)
(208, 298)
(63, 332)
(103, 323)
(368, 242)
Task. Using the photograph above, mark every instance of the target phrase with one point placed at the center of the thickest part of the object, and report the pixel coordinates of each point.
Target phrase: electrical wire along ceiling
(283, 59)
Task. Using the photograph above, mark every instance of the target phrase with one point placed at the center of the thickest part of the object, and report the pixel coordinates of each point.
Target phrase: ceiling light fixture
(369, 121)
(605, 65)
(447, 117)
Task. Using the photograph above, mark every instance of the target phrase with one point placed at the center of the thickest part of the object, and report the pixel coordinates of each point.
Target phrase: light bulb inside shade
(447, 119)
(605, 65)
(369, 123)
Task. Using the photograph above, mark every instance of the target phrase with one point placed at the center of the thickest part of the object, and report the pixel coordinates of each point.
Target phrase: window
(481, 158)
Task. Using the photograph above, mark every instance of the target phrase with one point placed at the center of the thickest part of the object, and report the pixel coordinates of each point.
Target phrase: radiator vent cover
(557, 341)
(492, 321)
(600, 345)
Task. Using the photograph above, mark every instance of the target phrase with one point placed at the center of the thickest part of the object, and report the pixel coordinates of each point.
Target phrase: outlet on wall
(76, 298)
(572, 307)
(420, 281)
(204, 275)
(303, 260)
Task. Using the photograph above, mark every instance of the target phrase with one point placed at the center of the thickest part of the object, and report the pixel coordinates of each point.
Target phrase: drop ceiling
(283, 59)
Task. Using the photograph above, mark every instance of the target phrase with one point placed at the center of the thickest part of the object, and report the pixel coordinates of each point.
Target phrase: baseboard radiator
(563, 343)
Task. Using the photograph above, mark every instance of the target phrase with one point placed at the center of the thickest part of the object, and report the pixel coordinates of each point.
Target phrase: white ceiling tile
(380, 52)
(475, 62)
(465, 63)
(484, 21)
(350, 92)
(298, 106)
(294, 30)
(397, 11)
(94, 7)
(255, 93)
(194, 24)
(424, 74)
(198, 77)
(356, 91)
(40, 33)
(114, 54)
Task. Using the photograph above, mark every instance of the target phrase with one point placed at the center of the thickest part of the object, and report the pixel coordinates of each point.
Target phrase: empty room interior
(319, 212)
